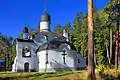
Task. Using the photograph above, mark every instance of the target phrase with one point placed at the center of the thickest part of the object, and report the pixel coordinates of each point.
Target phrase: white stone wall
(55, 60)
(19, 60)
(82, 62)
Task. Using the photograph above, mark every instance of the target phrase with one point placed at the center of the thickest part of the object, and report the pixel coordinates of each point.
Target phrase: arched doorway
(26, 67)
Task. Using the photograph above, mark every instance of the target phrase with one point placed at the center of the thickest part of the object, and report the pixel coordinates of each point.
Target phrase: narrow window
(78, 60)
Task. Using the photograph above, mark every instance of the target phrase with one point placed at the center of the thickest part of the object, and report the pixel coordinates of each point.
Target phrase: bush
(101, 68)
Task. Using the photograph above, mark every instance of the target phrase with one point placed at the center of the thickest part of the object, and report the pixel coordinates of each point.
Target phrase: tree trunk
(108, 56)
(111, 35)
(91, 70)
(117, 39)
(94, 57)
(117, 47)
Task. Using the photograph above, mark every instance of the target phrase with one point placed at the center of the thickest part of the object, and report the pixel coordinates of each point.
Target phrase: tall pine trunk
(117, 47)
(91, 70)
(117, 39)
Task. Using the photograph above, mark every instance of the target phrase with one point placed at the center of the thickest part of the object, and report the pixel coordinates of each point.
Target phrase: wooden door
(26, 67)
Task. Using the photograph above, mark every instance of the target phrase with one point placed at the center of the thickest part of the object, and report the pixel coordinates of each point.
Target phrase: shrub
(101, 68)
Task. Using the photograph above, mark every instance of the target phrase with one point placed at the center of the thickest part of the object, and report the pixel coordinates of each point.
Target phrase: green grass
(108, 74)
(32, 76)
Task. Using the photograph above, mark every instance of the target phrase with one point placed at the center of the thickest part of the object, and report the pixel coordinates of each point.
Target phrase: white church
(46, 51)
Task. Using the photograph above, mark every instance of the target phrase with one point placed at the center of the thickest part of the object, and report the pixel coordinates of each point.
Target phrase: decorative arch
(65, 47)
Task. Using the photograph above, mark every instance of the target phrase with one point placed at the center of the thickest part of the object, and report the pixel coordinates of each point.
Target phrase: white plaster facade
(19, 61)
(54, 57)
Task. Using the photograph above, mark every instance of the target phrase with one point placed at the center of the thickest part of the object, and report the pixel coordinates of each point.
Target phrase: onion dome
(45, 17)
(25, 30)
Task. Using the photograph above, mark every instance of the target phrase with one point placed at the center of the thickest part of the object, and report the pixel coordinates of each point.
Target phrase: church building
(46, 51)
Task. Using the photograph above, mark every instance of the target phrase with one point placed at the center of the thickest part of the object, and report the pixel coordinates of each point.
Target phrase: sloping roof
(54, 44)
(45, 33)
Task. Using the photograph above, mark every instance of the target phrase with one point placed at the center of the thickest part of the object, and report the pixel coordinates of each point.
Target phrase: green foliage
(99, 37)
(7, 49)
(84, 36)
(67, 27)
(101, 68)
(58, 29)
(76, 31)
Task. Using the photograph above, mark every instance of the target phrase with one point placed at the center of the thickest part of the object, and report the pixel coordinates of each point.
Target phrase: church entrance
(26, 67)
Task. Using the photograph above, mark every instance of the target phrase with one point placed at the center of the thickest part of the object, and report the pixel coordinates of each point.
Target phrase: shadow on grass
(7, 78)
(20, 77)
(109, 76)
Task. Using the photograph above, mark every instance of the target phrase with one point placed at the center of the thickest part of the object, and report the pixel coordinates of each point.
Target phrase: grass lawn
(66, 75)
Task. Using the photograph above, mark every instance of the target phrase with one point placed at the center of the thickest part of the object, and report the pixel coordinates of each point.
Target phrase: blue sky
(15, 13)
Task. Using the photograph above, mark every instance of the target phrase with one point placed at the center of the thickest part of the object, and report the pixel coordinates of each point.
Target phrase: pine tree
(91, 70)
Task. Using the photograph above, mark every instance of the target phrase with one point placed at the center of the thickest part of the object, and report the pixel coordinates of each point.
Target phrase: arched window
(26, 52)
